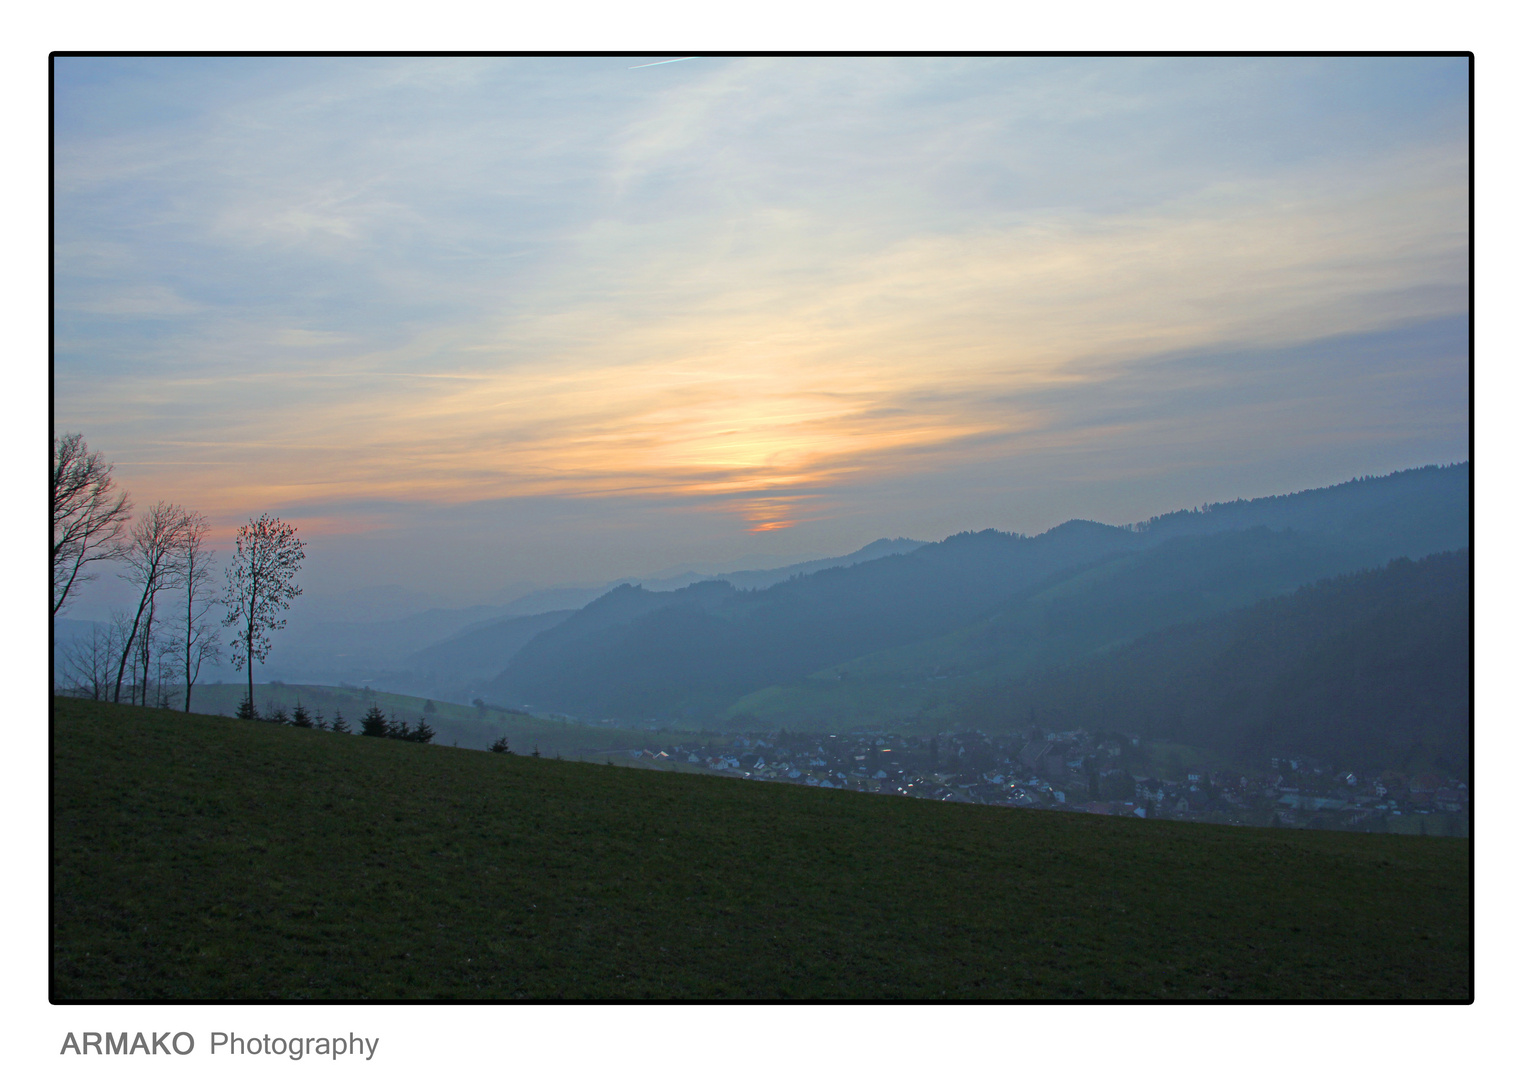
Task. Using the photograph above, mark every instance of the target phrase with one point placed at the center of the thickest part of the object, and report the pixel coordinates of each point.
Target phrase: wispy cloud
(759, 285)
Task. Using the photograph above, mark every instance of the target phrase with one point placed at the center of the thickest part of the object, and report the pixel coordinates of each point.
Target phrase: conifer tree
(375, 724)
(339, 724)
(300, 717)
(247, 710)
(422, 732)
(501, 746)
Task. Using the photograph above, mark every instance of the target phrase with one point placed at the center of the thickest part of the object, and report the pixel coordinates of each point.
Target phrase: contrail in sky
(655, 63)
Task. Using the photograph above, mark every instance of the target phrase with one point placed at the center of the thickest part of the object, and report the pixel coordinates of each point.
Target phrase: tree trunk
(190, 622)
(127, 649)
(249, 653)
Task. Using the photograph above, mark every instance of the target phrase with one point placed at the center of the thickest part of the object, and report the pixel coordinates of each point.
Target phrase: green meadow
(201, 857)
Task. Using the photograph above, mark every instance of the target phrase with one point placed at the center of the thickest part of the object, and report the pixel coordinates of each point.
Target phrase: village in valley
(1084, 772)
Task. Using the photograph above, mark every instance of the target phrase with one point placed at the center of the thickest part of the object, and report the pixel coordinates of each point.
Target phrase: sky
(479, 325)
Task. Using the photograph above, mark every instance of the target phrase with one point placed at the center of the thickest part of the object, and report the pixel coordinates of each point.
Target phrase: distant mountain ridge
(1066, 617)
(452, 653)
(443, 652)
(565, 597)
(692, 654)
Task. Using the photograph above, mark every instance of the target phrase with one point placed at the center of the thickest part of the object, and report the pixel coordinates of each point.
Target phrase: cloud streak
(761, 285)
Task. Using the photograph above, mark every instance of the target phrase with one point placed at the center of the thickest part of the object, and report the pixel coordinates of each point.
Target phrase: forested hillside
(693, 654)
(456, 668)
(1069, 616)
(1366, 670)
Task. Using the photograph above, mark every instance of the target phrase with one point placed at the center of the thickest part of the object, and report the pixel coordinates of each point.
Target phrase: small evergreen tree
(339, 723)
(279, 716)
(319, 722)
(501, 746)
(397, 729)
(300, 717)
(535, 751)
(422, 732)
(375, 724)
(247, 710)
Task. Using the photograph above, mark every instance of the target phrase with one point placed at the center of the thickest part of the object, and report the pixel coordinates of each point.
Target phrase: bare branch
(88, 515)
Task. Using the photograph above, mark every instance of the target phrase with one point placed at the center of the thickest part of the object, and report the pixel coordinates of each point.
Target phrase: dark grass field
(209, 858)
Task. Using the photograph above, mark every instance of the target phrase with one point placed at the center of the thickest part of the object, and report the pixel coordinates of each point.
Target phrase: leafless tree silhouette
(88, 515)
(196, 642)
(153, 561)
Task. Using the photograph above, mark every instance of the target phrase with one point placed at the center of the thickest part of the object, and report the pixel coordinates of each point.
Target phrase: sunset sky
(482, 324)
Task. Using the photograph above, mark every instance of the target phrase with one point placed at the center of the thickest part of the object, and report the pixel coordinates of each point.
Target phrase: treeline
(375, 724)
(1366, 670)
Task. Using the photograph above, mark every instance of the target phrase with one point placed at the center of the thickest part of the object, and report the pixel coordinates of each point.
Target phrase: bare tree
(197, 642)
(88, 515)
(153, 564)
(88, 664)
(166, 664)
(258, 587)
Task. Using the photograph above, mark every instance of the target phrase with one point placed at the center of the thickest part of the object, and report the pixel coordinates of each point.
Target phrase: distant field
(208, 858)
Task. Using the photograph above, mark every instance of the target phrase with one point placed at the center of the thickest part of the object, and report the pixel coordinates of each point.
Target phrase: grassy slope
(213, 858)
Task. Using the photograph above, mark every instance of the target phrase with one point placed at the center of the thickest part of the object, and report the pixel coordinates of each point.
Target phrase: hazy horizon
(473, 323)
